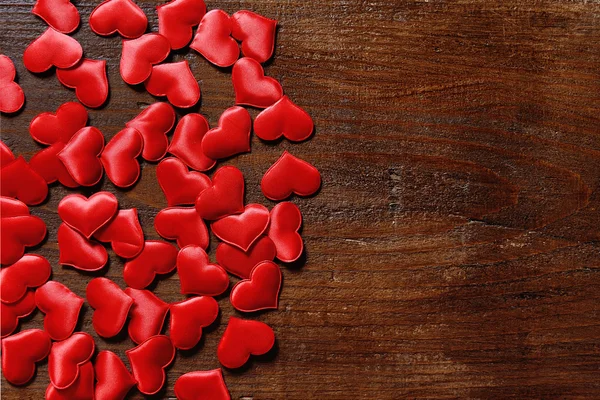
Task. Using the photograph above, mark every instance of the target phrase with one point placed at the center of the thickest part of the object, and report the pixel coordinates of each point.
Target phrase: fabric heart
(81, 389)
(187, 142)
(30, 271)
(140, 54)
(147, 314)
(188, 317)
(47, 128)
(89, 80)
(182, 224)
(124, 234)
(114, 379)
(52, 48)
(176, 19)
(47, 165)
(121, 16)
(12, 208)
(148, 362)
(76, 251)
(12, 98)
(257, 34)
(157, 258)
(290, 175)
(286, 220)
(19, 232)
(61, 307)
(20, 181)
(202, 385)
(213, 39)
(240, 263)
(111, 306)
(119, 157)
(261, 291)
(243, 338)
(231, 137)
(243, 229)
(10, 314)
(81, 156)
(197, 275)
(251, 86)
(154, 123)
(67, 357)
(176, 81)
(87, 215)
(283, 118)
(59, 14)
(180, 185)
(224, 197)
(20, 352)
(6, 156)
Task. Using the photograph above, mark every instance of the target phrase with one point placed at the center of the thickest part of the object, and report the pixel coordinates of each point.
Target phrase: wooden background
(454, 249)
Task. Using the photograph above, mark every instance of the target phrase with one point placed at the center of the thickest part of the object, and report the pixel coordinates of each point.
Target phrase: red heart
(202, 384)
(111, 306)
(231, 137)
(283, 118)
(12, 98)
(213, 39)
(59, 14)
(20, 352)
(243, 338)
(290, 175)
(67, 357)
(47, 164)
(47, 128)
(78, 252)
(81, 156)
(12, 208)
(81, 389)
(197, 275)
(257, 34)
(286, 220)
(188, 317)
(89, 80)
(187, 142)
(154, 123)
(52, 48)
(176, 19)
(182, 224)
(87, 215)
(148, 361)
(224, 197)
(176, 81)
(261, 291)
(61, 307)
(147, 314)
(243, 229)
(140, 54)
(124, 234)
(6, 156)
(10, 314)
(20, 181)
(30, 271)
(121, 16)
(114, 379)
(19, 232)
(251, 86)
(240, 263)
(119, 157)
(179, 185)
(157, 257)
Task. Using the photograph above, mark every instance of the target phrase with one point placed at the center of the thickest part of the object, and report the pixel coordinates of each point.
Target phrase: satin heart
(283, 118)
(187, 142)
(140, 54)
(243, 229)
(261, 291)
(202, 385)
(148, 362)
(20, 352)
(19, 232)
(286, 220)
(81, 389)
(188, 317)
(176, 19)
(213, 39)
(231, 137)
(154, 123)
(121, 16)
(67, 357)
(224, 197)
(12, 208)
(6, 156)
(20, 181)
(89, 80)
(252, 87)
(119, 157)
(30, 271)
(182, 224)
(257, 34)
(114, 379)
(47, 165)
(47, 128)
(10, 314)
(81, 156)
(175, 81)
(289, 175)
(87, 215)
(240, 263)
(52, 48)
(12, 98)
(61, 307)
(157, 258)
(179, 185)
(111, 306)
(197, 275)
(124, 234)
(76, 251)
(243, 338)
(147, 314)
(59, 14)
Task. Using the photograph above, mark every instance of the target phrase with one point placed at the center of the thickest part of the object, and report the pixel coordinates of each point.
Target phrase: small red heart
(252, 87)
(231, 137)
(289, 175)
(157, 258)
(19, 232)
(176, 19)
(12, 98)
(12, 208)
(59, 14)
(224, 197)
(243, 229)
(188, 317)
(182, 224)
(47, 128)
(111, 306)
(148, 362)
(87, 215)
(240, 263)
(30, 271)
(286, 220)
(10, 314)
(202, 385)
(243, 338)
(119, 157)
(47, 164)
(283, 118)
(121, 16)
(257, 34)
(89, 80)
(187, 142)
(140, 54)
(147, 314)
(81, 389)
(213, 39)
(81, 156)
(52, 48)
(61, 307)
(19, 180)
(197, 275)
(20, 352)
(176, 81)
(180, 185)
(67, 357)
(114, 379)
(6, 156)
(261, 291)
(154, 123)
(76, 251)
(124, 234)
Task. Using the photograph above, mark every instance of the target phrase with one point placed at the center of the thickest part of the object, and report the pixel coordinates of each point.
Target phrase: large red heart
(154, 123)
(12, 98)
(67, 357)
(251, 86)
(148, 361)
(283, 118)
(124, 234)
(114, 379)
(231, 137)
(257, 34)
(213, 39)
(176, 81)
(182, 224)
(87, 215)
(81, 156)
(19, 180)
(243, 338)
(224, 197)
(261, 291)
(89, 80)
(6, 156)
(59, 14)
(61, 307)
(239, 262)
(289, 175)
(176, 19)
(202, 384)
(81, 389)
(30, 271)
(52, 48)
(48, 128)
(10, 314)
(19, 232)
(147, 314)
(121, 16)
(157, 257)
(188, 317)
(76, 251)
(47, 164)
(187, 142)
(243, 229)
(197, 275)
(180, 185)
(119, 157)
(140, 54)
(111, 306)
(20, 352)
(286, 220)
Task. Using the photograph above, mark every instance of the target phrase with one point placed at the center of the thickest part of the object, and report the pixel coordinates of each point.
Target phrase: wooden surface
(454, 249)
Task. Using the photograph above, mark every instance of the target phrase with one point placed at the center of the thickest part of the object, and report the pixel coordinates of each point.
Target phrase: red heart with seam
(224, 197)
(260, 291)
(67, 357)
(81, 389)
(6, 156)
(114, 379)
(157, 258)
(139, 55)
(180, 185)
(21, 351)
(30, 271)
(52, 48)
(111, 306)
(10, 314)
(283, 118)
(89, 80)
(48, 128)
(154, 123)
(47, 165)
(252, 87)
(286, 220)
(187, 142)
(175, 81)
(87, 215)
(148, 362)
(19, 232)
(182, 224)
(208, 384)
(76, 251)
(243, 338)
(197, 275)
(121, 16)
(81, 156)
(147, 314)
(289, 175)
(188, 317)
(239, 262)
(12, 98)
(243, 229)
(19, 180)
(176, 19)
(119, 157)
(257, 34)
(124, 234)
(213, 39)
(231, 137)
(61, 307)
(59, 14)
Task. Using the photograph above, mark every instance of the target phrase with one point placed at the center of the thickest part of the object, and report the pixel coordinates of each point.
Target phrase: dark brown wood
(454, 249)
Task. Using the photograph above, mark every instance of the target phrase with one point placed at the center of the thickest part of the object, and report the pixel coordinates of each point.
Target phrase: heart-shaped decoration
(261, 291)
(67, 357)
(114, 379)
(231, 137)
(148, 362)
(187, 142)
(257, 34)
(119, 157)
(81, 389)
(147, 314)
(62, 15)
(202, 384)
(12, 98)
(20, 352)
(213, 39)
(111, 306)
(180, 185)
(10, 314)
(81, 156)
(239, 262)
(176, 19)
(48, 128)
(176, 81)
(252, 87)
(157, 258)
(243, 229)
(139, 55)
(290, 175)
(224, 197)
(121, 16)
(12, 208)
(47, 165)
(19, 232)
(89, 80)
(6, 156)
(286, 220)
(124, 234)
(87, 215)
(182, 224)
(154, 123)
(283, 118)
(243, 338)
(76, 251)
(30, 271)
(52, 48)
(61, 307)
(20, 181)
(188, 317)
(197, 275)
